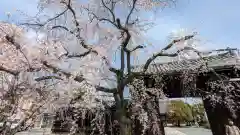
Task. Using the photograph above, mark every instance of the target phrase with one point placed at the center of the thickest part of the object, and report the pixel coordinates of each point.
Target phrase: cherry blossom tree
(96, 29)
(79, 40)
(23, 98)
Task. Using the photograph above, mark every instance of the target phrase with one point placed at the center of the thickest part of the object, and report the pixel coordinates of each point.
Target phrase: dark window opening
(149, 82)
(172, 86)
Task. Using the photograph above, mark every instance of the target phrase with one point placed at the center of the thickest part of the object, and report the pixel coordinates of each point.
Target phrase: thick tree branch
(122, 61)
(55, 69)
(12, 41)
(114, 70)
(78, 78)
(125, 30)
(47, 78)
(13, 72)
(77, 33)
(161, 53)
(83, 54)
(148, 62)
(128, 61)
(133, 75)
(103, 89)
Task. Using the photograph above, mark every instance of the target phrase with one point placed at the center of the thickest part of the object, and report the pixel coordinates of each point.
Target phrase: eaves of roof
(221, 61)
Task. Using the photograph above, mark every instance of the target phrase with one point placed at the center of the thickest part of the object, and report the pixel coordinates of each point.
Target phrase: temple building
(191, 78)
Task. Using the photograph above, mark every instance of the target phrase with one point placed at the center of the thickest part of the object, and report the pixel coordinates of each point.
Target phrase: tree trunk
(155, 127)
(178, 123)
(120, 116)
(123, 123)
(216, 118)
(123, 129)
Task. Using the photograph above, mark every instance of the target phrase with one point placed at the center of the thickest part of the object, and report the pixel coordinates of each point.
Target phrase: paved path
(168, 131)
(36, 132)
(172, 131)
(194, 131)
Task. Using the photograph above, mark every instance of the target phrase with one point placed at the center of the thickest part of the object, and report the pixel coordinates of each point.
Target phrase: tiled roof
(216, 61)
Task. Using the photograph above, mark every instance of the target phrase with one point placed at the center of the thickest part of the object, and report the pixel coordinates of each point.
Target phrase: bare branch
(74, 16)
(49, 20)
(110, 10)
(101, 19)
(137, 47)
(131, 11)
(62, 27)
(33, 24)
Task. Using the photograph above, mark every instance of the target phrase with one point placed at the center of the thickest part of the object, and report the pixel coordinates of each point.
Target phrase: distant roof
(227, 59)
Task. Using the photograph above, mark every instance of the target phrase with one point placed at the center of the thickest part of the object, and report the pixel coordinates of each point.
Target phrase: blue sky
(216, 21)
